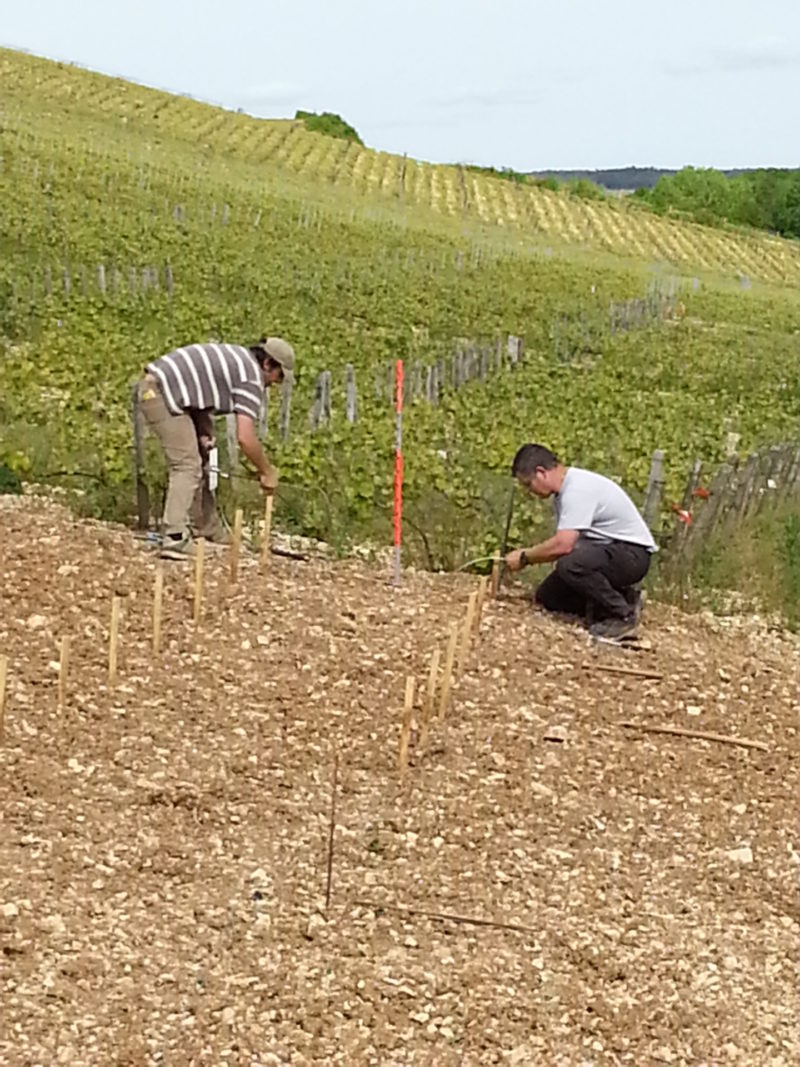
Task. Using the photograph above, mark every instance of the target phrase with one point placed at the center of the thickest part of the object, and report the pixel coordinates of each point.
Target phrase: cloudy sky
(530, 84)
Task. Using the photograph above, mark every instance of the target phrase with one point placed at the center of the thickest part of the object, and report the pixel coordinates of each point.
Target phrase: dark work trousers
(596, 580)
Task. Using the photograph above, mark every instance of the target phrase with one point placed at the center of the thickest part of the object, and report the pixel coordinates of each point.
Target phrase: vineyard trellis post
(655, 485)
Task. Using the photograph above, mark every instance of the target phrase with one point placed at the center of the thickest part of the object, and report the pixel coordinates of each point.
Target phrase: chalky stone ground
(163, 843)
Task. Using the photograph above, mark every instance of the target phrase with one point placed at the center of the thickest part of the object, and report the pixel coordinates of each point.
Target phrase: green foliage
(348, 279)
(754, 566)
(585, 189)
(330, 124)
(767, 199)
(10, 481)
(508, 174)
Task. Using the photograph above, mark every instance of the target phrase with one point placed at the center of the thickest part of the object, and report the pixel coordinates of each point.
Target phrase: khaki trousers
(189, 502)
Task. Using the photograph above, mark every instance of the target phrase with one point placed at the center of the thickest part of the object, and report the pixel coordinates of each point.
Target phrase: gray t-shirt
(600, 509)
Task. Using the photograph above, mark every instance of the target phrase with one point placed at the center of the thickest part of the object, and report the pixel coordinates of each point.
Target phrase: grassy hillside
(132, 220)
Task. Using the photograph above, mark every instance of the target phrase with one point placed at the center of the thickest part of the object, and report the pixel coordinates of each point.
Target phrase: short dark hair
(529, 457)
(259, 353)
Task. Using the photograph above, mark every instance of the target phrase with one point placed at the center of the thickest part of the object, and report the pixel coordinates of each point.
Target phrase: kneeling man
(601, 548)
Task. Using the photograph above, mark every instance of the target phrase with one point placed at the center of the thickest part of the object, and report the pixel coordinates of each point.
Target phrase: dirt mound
(164, 839)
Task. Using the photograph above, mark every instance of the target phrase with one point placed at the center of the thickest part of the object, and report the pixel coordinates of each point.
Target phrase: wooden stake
(113, 637)
(630, 671)
(199, 565)
(678, 731)
(494, 582)
(466, 633)
(447, 677)
(405, 732)
(442, 916)
(236, 544)
(482, 590)
(63, 670)
(3, 676)
(430, 694)
(332, 829)
(158, 600)
(267, 530)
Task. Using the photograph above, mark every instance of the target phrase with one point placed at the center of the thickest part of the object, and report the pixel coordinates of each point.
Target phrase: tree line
(768, 199)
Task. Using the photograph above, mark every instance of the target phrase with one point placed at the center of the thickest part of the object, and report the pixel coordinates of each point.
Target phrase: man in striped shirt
(179, 395)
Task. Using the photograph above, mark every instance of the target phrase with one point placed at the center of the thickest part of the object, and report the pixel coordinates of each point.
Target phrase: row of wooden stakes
(459, 643)
(158, 600)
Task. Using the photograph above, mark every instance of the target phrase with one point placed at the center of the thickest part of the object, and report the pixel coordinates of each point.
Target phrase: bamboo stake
(482, 591)
(678, 731)
(447, 677)
(3, 676)
(630, 671)
(494, 582)
(442, 916)
(466, 633)
(199, 566)
(270, 500)
(405, 732)
(332, 830)
(113, 637)
(430, 694)
(63, 669)
(158, 601)
(236, 544)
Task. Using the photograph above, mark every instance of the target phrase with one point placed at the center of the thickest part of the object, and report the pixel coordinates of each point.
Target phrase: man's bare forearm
(547, 551)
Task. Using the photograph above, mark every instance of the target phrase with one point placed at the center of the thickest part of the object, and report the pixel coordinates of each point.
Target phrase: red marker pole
(398, 471)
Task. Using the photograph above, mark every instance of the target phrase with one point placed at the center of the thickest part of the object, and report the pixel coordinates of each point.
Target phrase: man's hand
(269, 480)
(207, 442)
(516, 560)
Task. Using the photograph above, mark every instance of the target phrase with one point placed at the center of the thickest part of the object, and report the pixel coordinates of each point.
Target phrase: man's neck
(559, 474)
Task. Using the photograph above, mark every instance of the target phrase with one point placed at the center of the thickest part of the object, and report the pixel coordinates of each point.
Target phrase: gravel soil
(164, 838)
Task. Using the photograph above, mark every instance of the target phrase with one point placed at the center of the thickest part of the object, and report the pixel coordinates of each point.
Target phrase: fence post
(286, 409)
(232, 441)
(263, 416)
(139, 472)
(655, 485)
(351, 396)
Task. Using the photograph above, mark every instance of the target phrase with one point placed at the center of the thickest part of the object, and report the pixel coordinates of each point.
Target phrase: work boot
(635, 599)
(615, 627)
(178, 547)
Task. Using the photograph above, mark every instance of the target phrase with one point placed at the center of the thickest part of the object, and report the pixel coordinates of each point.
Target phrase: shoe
(615, 627)
(178, 548)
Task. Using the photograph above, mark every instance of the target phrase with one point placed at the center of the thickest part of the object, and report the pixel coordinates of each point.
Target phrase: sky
(518, 83)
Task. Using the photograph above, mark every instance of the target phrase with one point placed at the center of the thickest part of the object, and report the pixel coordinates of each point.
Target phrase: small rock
(315, 924)
(556, 733)
(36, 622)
(228, 1015)
(10, 910)
(743, 855)
(693, 709)
(740, 809)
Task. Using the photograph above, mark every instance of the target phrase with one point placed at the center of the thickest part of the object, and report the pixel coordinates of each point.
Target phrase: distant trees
(328, 123)
(768, 199)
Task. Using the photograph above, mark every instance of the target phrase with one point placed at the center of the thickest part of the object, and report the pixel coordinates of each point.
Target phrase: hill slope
(132, 221)
(56, 92)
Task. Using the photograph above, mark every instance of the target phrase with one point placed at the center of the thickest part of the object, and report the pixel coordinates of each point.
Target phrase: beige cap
(283, 353)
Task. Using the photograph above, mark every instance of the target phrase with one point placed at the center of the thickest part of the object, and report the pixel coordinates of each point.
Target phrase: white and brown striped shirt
(219, 378)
